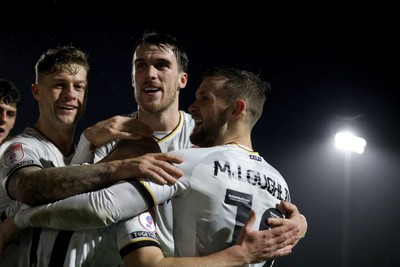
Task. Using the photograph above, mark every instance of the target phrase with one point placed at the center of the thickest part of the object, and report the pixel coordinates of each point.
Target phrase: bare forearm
(51, 184)
(230, 257)
(33, 185)
(152, 256)
(254, 247)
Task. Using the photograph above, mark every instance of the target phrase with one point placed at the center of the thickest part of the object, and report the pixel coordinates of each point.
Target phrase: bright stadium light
(349, 142)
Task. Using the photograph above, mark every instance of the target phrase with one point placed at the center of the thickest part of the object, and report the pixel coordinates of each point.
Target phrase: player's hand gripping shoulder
(293, 216)
(154, 166)
(258, 246)
(116, 127)
(146, 159)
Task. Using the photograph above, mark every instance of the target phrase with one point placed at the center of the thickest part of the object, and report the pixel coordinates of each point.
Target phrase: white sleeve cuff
(84, 152)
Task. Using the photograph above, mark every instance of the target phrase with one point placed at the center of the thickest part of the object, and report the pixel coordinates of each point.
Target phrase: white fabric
(211, 202)
(178, 138)
(31, 148)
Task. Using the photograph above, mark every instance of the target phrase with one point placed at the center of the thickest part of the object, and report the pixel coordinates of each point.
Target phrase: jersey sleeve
(135, 233)
(15, 156)
(87, 153)
(84, 151)
(98, 208)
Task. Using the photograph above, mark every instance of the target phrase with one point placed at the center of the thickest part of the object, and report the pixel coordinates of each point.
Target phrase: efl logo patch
(146, 220)
(255, 157)
(14, 154)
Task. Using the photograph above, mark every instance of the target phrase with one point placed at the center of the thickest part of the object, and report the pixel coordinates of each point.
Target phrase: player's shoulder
(19, 140)
(199, 152)
(29, 140)
(187, 117)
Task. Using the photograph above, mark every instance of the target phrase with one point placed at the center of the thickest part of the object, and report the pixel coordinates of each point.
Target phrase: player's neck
(63, 138)
(164, 121)
(241, 146)
(241, 141)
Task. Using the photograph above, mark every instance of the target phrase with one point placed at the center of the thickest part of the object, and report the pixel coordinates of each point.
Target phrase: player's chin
(70, 119)
(198, 126)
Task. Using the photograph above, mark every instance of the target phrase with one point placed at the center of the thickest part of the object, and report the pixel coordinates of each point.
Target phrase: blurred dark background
(330, 67)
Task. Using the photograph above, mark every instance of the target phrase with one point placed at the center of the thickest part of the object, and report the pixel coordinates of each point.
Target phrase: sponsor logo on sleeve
(146, 220)
(14, 154)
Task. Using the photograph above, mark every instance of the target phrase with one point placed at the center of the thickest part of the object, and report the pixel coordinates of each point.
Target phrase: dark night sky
(327, 66)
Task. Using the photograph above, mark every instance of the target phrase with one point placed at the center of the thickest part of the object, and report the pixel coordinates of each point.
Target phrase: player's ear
(239, 108)
(35, 91)
(183, 80)
(133, 80)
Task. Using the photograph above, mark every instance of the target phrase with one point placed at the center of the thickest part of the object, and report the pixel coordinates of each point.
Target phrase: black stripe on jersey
(136, 245)
(144, 192)
(3, 216)
(34, 246)
(177, 128)
(60, 248)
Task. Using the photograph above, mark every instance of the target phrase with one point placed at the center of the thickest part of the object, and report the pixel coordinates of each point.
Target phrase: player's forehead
(211, 85)
(154, 52)
(77, 74)
(8, 107)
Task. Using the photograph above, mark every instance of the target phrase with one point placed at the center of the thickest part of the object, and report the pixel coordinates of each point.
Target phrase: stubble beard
(204, 138)
(157, 108)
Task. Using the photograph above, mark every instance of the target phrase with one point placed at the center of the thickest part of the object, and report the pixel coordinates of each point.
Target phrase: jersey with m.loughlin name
(213, 199)
(211, 202)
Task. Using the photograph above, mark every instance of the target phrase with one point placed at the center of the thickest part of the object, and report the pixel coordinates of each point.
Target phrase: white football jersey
(49, 247)
(213, 199)
(211, 202)
(178, 138)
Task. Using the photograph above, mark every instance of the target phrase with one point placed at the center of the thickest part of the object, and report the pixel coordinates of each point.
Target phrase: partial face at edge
(8, 116)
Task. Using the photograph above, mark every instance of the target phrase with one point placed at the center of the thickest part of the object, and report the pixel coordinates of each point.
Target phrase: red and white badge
(146, 220)
(14, 154)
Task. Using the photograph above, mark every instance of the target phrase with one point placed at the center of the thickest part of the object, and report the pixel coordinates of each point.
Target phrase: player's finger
(169, 157)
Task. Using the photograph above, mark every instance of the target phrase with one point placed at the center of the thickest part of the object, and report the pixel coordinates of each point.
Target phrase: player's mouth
(68, 107)
(198, 122)
(152, 89)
